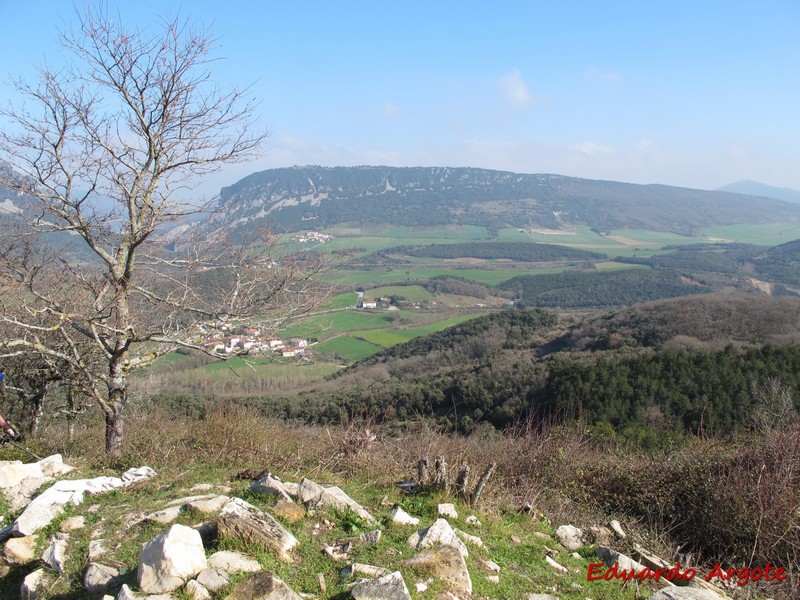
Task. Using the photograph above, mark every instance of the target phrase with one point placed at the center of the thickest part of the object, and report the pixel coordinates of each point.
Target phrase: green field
(616, 266)
(348, 347)
(412, 293)
(390, 275)
(762, 235)
(341, 301)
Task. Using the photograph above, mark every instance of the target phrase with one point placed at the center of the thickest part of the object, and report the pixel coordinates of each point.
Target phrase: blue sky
(689, 93)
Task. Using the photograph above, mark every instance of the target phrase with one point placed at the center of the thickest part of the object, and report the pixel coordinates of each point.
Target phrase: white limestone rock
(233, 562)
(20, 551)
(401, 517)
(170, 559)
(32, 583)
(98, 578)
(571, 537)
(209, 505)
(438, 533)
(252, 525)
(55, 555)
(197, 591)
(390, 587)
(448, 510)
(213, 579)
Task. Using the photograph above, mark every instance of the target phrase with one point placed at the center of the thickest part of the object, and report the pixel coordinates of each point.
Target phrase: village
(249, 339)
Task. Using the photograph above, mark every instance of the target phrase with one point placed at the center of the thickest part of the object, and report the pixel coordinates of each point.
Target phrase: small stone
(55, 555)
(370, 571)
(401, 517)
(98, 578)
(558, 567)
(208, 505)
(472, 539)
(166, 516)
(493, 578)
(289, 510)
(20, 550)
(491, 566)
(473, 520)
(213, 579)
(96, 549)
(390, 587)
(571, 537)
(371, 538)
(516, 539)
(31, 583)
(233, 562)
(71, 524)
(197, 591)
(447, 509)
(262, 586)
(617, 529)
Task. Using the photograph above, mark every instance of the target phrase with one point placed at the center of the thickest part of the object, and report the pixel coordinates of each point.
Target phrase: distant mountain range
(298, 198)
(754, 188)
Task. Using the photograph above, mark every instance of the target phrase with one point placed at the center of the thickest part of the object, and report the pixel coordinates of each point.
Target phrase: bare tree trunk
(37, 404)
(114, 430)
(115, 409)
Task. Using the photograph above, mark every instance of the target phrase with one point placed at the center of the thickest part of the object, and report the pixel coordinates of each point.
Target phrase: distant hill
(754, 188)
(298, 198)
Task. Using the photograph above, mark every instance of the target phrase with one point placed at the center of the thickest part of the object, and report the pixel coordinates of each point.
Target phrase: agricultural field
(763, 235)
(378, 275)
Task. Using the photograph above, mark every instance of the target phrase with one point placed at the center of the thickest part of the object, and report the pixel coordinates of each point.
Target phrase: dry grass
(730, 501)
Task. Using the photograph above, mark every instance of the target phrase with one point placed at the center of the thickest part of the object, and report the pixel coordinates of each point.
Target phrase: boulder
(440, 533)
(96, 549)
(233, 562)
(50, 503)
(262, 586)
(571, 537)
(389, 587)
(311, 493)
(167, 561)
(252, 525)
(447, 565)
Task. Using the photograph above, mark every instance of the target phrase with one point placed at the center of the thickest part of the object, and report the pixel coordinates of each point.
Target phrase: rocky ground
(138, 536)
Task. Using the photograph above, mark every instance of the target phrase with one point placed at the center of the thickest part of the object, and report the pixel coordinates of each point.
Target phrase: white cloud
(515, 89)
(592, 148)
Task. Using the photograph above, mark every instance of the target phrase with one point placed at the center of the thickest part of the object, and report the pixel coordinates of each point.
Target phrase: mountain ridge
(311, 197)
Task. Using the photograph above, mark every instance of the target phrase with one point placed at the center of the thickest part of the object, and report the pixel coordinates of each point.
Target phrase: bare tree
(105, 149)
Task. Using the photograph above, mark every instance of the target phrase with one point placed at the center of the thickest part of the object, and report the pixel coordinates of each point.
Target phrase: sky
(697, 93)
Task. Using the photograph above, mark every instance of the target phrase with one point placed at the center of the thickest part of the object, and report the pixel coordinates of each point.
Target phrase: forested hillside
(682, 365)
